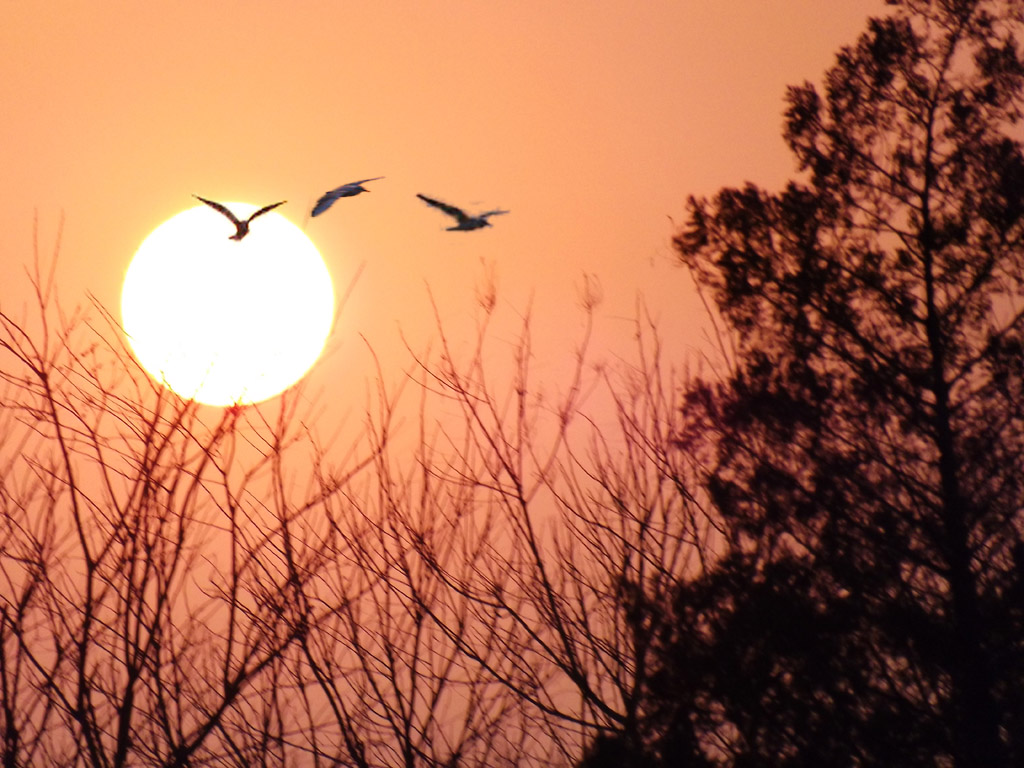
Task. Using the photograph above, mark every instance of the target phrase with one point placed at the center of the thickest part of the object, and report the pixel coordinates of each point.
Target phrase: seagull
(241, 227)
(345, 190)
(466, 222)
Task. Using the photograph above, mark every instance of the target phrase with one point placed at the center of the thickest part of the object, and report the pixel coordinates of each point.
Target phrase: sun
(227, 322)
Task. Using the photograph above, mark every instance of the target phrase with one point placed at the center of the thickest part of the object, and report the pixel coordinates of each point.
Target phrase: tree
(183, 585)
(865, 452)
(143, 598)
(552, 529)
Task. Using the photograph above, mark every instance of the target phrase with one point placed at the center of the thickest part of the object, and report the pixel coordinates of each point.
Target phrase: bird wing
(325, 202)
(266, 208)
(493, 213)
(451, 210)
(351, 186)
(221, 208)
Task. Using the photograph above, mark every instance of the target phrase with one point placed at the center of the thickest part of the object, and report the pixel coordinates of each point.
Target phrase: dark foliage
(865, 452)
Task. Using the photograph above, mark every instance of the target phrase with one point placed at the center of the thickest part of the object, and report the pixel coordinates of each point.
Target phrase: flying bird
(241, 226)
(466, 222)
(345, 190)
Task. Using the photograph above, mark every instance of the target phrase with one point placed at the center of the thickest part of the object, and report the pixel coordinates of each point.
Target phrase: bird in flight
(241, 226)
(466, 222)
(345, 190)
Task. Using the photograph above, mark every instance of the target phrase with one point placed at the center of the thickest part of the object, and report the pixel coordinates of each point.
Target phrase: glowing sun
(222, 321)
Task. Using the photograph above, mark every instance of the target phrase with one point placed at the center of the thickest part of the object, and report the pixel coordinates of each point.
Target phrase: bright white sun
(222, 321)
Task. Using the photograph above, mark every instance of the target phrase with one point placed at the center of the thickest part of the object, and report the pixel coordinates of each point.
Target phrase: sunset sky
(591, 122)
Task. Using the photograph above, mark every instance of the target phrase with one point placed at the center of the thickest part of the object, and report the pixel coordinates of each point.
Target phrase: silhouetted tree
(866, 449)
(184, 585)
(552, 523)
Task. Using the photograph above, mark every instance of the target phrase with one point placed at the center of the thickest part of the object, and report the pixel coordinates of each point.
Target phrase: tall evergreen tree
(866, 450)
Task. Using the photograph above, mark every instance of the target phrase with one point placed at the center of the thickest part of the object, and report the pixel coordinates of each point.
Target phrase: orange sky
(591, 122)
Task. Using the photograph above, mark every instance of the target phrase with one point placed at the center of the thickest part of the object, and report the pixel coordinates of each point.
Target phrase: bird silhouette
(241, 226)
(466, 222)
(345, 190)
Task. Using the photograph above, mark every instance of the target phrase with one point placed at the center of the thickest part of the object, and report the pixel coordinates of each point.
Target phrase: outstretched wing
(451, 210)
(325, 202)
(363, 181)
(492, 213)
(266, 208)
(220, 208)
